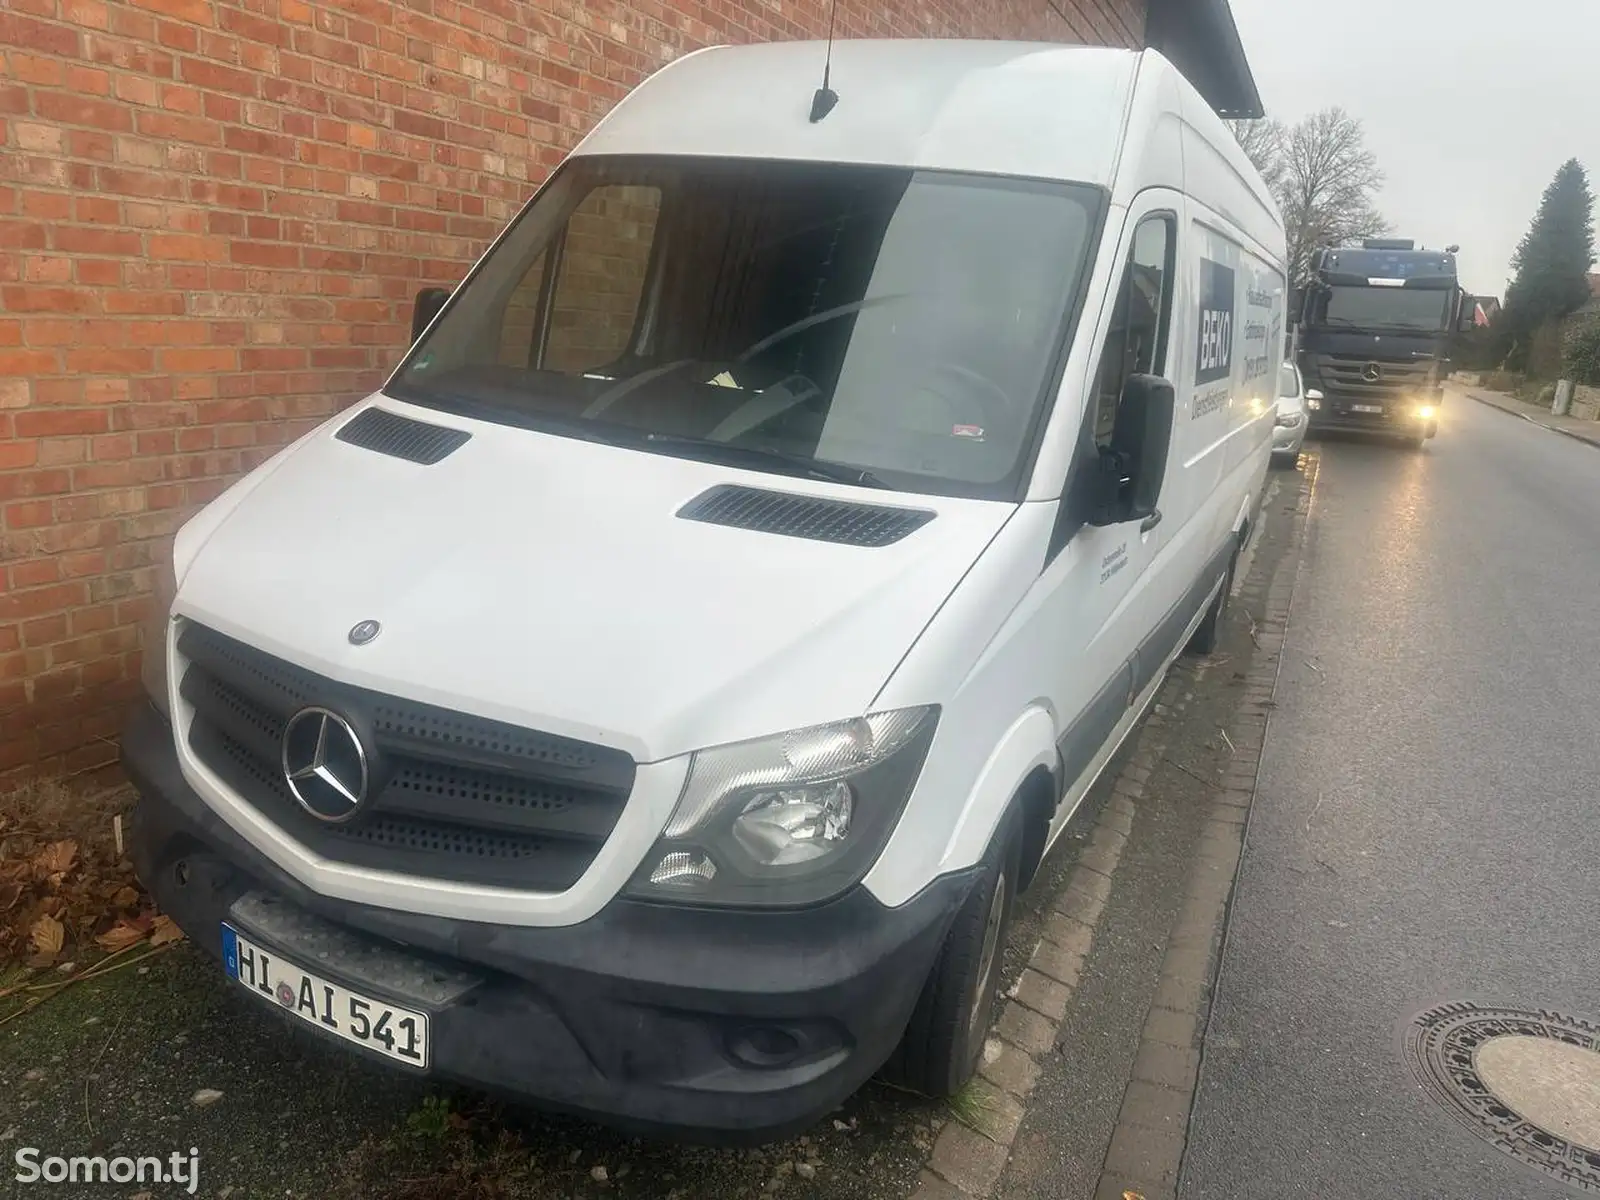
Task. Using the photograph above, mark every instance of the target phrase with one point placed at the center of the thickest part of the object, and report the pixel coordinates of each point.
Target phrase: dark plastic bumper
(714, 1025)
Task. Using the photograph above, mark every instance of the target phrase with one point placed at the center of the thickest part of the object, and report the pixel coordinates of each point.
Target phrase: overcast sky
(1470, 105)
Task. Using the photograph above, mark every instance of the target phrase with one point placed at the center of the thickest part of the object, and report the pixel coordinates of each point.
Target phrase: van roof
(1007, 108)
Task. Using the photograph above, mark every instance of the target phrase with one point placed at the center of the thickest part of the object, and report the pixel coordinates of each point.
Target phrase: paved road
(1426, 828)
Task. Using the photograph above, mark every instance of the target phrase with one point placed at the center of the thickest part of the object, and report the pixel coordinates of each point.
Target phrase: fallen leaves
(48, 935)
(118, 936)
(56, 859)
(66, 887)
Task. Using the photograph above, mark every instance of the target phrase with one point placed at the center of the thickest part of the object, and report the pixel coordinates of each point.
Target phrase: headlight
(153, 639)
(1290, 420)
(1427, 412)
(791, 819)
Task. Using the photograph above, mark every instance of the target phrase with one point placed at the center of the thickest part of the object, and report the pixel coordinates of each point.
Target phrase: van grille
(454, 797)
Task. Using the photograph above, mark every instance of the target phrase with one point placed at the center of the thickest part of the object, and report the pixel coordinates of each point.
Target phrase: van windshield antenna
(825, 98)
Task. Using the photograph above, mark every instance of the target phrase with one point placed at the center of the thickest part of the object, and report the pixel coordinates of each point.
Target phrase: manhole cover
(1528, 1082)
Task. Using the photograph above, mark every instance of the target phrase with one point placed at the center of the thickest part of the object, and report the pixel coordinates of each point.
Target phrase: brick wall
(213, 217)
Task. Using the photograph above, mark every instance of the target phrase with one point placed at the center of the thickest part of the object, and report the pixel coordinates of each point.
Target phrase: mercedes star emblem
(1371, 375)
(363, 632)
(324, 764)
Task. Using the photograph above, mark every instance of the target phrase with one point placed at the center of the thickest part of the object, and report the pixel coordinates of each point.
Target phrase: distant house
(1486, 310)
(1594, 286)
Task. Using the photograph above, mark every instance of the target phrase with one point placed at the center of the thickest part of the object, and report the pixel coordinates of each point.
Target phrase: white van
(650, 702)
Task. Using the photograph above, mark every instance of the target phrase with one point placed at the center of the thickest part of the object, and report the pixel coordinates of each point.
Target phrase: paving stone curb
(1145, 1159)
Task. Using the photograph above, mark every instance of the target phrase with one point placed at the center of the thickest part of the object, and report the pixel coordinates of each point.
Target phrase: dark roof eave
(1202, 41)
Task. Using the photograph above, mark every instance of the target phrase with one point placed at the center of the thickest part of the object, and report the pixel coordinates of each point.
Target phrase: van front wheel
(944, 1038)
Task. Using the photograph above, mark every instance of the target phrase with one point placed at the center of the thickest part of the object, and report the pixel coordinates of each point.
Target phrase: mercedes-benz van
(650, 701)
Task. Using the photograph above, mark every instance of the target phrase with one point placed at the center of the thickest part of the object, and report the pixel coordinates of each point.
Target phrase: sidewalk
(1584, 431)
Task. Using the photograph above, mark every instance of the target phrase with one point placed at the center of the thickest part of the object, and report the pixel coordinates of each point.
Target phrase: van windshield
(886, 326)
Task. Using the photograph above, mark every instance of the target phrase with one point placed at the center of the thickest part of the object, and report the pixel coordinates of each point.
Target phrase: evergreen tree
(1551, 266)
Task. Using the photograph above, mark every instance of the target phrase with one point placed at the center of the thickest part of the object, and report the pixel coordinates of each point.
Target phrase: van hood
(548, 582)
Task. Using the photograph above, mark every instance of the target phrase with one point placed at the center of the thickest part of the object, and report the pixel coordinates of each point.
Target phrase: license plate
(394, 1032)
(1367, 408)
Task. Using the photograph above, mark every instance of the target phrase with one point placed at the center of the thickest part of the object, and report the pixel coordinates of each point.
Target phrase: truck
(1373, 345)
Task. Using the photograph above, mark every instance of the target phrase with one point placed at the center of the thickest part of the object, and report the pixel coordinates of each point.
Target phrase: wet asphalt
(1426, 827)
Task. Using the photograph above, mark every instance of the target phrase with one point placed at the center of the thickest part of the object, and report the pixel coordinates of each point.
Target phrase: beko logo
(1215, 357)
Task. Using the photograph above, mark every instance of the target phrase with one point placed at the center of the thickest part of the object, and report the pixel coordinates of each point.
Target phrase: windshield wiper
(763, 457)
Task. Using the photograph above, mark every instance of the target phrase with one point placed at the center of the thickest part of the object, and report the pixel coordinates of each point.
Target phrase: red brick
(17, 30)
(218, 78)
(81, 110)
(22, 235)
(28, 362)
(89, 81)
(36, 572)
(100, 210)
(147, 303)
(207, 359)
(14, 454)
(51, 206)
(62, 421)
(187, 247)
(39, 268)
(78, 239)
(139, 89)
(131, 360)
(55, 300)
(197, 12)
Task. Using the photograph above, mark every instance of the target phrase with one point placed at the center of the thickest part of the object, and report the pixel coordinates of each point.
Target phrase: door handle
(1150, 522)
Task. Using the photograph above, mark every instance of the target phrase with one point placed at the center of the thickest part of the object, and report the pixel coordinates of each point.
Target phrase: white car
(651, 700)
(1289, 429)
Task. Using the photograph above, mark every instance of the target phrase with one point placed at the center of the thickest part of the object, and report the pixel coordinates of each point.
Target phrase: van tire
(944, 1039)
(1209, 635)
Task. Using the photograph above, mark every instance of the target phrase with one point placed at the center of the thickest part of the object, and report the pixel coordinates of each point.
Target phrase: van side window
(1137, 341)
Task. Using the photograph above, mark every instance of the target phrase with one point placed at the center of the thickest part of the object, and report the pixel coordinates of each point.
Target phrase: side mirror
(1314, 394)
(1133, 467)
(429, 301)
(1469, 316)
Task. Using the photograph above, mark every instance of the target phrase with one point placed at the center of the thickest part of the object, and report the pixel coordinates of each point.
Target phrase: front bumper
(1398, 419)
(714, 1025)
(1287, 439)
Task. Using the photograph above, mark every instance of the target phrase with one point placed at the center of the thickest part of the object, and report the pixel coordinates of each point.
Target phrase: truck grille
(1346, 377)
(453, 797)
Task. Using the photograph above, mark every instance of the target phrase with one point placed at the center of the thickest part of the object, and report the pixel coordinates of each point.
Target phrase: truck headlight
(791, 819)
(1427, 412)
(153, 639)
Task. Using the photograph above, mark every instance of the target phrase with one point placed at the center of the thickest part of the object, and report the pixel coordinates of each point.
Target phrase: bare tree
(1323, 177)
(1262, 142)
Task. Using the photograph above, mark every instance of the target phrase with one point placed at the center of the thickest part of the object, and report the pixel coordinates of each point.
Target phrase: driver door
(1101, 598)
